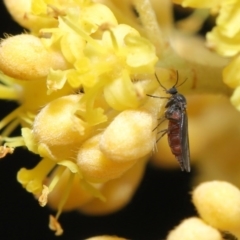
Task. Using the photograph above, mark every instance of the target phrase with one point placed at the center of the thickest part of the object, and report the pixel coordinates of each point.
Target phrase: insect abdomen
(174, 139)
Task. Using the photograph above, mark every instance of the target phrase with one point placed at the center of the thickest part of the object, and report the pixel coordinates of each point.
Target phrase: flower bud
(24, 57)
(194, 228)
(118, 192)
(129, 136)
(106, 238)
(56, 129)
(95, 166)
(218, 203)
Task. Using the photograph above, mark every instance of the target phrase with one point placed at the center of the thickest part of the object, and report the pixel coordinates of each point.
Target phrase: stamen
(10, 117)
(94, 191)
(43, 199)
(149, 21)
(55, 226)
(8, 81)
(14, 142)
(8, 93)
(57, 176)
(32, 179)
(5, 150)
(28, 117)
(44, 196)
(65, 194)
(114, 41)
(9, 129)
(83, 34)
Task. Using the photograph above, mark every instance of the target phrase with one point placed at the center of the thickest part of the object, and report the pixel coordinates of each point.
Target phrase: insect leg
(149, 95)
(162, 120)
(164, 132)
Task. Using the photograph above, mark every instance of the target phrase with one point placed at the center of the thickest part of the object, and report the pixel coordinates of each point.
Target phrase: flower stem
(8, 93)
(150, 24)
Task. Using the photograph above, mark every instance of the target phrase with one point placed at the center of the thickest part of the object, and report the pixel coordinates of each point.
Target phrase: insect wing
(185, 141)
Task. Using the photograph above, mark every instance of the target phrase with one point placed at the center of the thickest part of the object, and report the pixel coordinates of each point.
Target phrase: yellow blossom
(81, 75)
(64, 133)
(95, 166)
(194, 228)
(218, 202)
(22, 14)
(224, 36)
(118, 192)
(106, 238)
(114, 143)
(74, 77)
(19, 55)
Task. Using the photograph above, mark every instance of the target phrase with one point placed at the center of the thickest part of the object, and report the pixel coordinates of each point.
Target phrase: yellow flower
(22, 14)
(106, 238)
(219, 210)
(59, 114)
(81, 76)
(224, 38)
(217, 203)
(95, 65)
(72, 81)
(194, 228)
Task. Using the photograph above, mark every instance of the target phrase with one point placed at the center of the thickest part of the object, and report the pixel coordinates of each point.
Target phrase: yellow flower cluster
(224, 38)
(72, 82)
(217, 203)
(81, 76)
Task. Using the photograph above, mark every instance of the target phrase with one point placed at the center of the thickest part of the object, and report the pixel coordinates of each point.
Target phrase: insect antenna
(160, 82)
(177, 81)
(180, 83)
(175, 85)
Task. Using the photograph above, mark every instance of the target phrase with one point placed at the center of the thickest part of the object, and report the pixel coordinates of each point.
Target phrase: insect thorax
(177, 101)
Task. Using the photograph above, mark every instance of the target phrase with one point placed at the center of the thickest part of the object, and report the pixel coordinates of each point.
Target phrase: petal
(120, 93)
(229, 18)
(29, 140)
(224, 45)
(231, 73)
(140, 52)
(33, 179)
